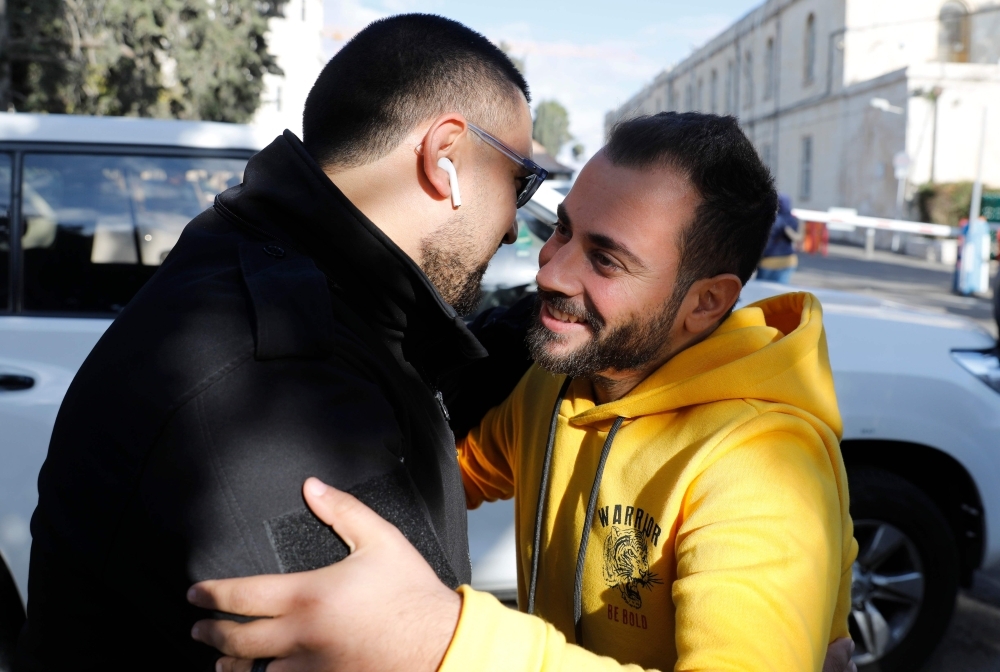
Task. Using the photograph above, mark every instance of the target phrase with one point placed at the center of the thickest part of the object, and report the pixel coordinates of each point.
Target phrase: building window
(688, 98)
(805, 184)
(701, 98)
(713, 93)
(730, 85)
(953, 39)
(810, 47)
(671, 97)
(765, 155)
(769, 69)
(304, 9)
(748, 79)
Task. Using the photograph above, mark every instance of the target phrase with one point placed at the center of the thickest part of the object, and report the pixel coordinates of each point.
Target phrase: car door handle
(13, 381)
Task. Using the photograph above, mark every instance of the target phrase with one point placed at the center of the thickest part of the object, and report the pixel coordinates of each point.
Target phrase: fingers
(265, 638)
(838, 656)
(352, 520)
(229, 664)
(266, 595)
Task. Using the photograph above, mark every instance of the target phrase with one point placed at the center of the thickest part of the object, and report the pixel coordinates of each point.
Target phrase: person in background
(779, 260)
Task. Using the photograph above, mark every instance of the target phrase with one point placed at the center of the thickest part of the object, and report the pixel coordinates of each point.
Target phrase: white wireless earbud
(447, 166)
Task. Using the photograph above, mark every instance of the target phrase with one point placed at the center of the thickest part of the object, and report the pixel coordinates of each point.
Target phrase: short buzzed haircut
(398, 72)
(738, 200)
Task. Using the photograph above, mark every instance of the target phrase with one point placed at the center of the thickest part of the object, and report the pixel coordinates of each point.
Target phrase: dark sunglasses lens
(528, 190)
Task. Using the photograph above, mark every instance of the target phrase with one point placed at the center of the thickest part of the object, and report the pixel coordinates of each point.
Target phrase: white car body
(49, 350)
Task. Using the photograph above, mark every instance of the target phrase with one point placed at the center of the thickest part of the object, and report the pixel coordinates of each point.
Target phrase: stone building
(832, 91)
(296, 40)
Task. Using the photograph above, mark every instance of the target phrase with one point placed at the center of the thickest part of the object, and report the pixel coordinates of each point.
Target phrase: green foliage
(551, 126)
(188, 59)
(944, 203)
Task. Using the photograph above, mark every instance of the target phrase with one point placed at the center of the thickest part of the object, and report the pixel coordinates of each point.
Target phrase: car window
(5, 177)
(96, 227)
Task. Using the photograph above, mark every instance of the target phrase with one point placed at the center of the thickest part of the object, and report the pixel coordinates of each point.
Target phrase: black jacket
(284, 337)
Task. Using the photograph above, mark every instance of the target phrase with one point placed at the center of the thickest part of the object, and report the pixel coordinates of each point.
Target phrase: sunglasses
(530, 182)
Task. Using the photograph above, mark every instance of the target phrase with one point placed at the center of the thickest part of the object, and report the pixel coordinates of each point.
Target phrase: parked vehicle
(919, 393)
(91, 206)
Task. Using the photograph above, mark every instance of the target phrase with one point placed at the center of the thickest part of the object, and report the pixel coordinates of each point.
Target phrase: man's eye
(562, 230)
(605, 262)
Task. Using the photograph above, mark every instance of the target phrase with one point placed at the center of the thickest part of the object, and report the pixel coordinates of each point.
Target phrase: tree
(551, 126)
(187, 59)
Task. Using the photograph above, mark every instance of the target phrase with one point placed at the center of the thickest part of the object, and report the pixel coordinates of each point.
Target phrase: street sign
(991, 206)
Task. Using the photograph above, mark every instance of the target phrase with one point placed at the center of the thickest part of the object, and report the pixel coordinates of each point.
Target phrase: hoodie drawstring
(585, 537)
(543, 492)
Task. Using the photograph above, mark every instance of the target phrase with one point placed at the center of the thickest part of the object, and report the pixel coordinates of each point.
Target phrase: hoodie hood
(771, 351)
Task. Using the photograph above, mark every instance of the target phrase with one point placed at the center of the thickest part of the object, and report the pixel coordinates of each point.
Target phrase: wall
(864, 49)
(296, 42)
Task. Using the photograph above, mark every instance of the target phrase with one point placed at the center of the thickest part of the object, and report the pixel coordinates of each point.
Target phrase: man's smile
(560, 321)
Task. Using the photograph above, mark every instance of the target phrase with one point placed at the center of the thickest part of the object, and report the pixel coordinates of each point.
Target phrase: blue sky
(589, 55)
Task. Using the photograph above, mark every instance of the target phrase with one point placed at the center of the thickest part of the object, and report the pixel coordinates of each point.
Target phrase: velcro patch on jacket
(303, 542)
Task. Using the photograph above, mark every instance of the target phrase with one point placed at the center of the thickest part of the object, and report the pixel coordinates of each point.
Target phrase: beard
(628, 346)
(455, 262)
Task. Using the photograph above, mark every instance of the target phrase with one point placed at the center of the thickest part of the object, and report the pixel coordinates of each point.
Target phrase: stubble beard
(629, 346)
(453, 262)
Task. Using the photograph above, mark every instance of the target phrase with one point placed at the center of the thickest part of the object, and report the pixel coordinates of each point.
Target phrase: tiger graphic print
(626, 563)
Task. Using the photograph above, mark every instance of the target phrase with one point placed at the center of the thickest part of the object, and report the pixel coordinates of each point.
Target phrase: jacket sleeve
(759, 559)
(493, 638)
(486, 456)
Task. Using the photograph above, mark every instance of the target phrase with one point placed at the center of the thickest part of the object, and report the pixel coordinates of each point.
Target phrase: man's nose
(511, 235)
(558, 269)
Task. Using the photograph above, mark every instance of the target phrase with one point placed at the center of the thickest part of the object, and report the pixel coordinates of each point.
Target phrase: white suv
(89, 207)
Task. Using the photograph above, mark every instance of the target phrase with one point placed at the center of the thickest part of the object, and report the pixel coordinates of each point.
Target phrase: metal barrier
(845, 220)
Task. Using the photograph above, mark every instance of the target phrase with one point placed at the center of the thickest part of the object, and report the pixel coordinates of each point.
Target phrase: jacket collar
(287, 195)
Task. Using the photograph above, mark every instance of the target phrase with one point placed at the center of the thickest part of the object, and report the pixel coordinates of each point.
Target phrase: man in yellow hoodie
(681, 501)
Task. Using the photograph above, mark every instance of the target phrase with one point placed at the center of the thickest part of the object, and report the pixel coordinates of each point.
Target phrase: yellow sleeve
(493, 638)
(759, 554)
(486, 454)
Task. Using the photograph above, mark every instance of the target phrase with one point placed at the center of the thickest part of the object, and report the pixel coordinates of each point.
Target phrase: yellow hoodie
(720, 536)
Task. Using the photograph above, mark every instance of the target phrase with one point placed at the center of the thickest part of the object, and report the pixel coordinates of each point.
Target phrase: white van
(90, 207)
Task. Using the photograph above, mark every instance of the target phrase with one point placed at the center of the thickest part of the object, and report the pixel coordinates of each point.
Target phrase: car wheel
(906, 575)
(11, 618)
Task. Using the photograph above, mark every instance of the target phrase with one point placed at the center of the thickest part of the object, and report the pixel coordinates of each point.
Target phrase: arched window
(953, 39)
(748, 79)
(810, 48)
(769, 69)
(713, 93)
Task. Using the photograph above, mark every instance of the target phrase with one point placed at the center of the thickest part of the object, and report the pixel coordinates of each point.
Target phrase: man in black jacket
(301, 327)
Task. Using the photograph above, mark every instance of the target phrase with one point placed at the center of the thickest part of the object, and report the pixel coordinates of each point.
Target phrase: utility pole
(935, 94)
(977, 187)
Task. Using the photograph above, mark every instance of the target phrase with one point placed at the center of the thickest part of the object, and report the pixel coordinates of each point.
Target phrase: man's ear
(441, 141)
(715, 297)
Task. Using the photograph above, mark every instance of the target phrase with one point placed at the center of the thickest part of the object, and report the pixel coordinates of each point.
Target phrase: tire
(906, 577)
(11, 617)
